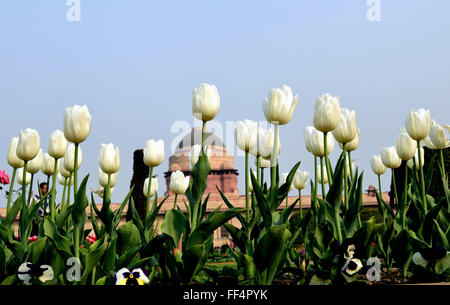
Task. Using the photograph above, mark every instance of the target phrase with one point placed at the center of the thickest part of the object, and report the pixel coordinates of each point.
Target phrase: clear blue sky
(135, 63)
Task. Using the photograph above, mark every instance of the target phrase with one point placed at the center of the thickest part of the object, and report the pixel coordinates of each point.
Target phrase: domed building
(223, 174)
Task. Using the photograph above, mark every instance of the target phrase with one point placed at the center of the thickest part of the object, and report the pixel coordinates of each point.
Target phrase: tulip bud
(316, 143)
(178, 182)
(61, 179)
(390, 158)
(437, 136)
(405, 145)
(77, 123)
(109, 158)
(69, 158)
(301, 179)
(250, 183)
(410, 162)
(418, 124)
(48, 165)
(13, 160)
(319, 175)
(306, 136)
(280, 105)
(263, 163)
(346, 129)
(65, 173)
(352, 145)
(57, 145)
(153, 187)
(103, 178)
(246, 135)
(205, 102)
(20, 177)
(377, 165)
(28, 145)
(326, 112)
(284, 176)
(195, 154)
(35, 164)
(266, 144)
(101, 190)
(154, 153)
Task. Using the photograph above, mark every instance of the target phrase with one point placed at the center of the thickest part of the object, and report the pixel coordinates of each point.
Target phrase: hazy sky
(135, 63)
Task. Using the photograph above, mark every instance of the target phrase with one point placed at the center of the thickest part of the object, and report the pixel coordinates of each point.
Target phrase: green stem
(379, 186)
(274, 162)
(75, 173)
(93, 276)
(11, 188)
(315, 191)
(395, 186)
(325, 134)
(247, 201)
(300, 203)
(63, 200)
(23, 212)
(52, 200)
(422, 182)
(175, 202)
(68, 190)
(31, 189)
(322, 178)
(405, 195)
(262, 177)
(258, 167)
(203, 135)
(350, 165)
(345, 179)
(150, 174)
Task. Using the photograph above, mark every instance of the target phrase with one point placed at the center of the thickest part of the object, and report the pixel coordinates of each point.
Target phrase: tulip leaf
(80, 205)
(37, 249)
(270, 252)
(118, 212)
(151, 218)
(443, 266)
(61, 243)
(174, 225)
(334, 195)
(191, 261)
(229, 205)
(13, 211)
(15, 247)
(238, 236)
(127, 237)
(263, 204)
(94, 255)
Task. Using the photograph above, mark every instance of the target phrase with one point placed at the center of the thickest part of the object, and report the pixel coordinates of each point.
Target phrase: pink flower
(32, 238)
(4, 177)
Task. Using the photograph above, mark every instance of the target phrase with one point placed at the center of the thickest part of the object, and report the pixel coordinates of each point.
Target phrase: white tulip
(153, 188)
(109, 158)
(427, 143)
(267, 143)
(418, 124)
(347, 169)
(101, 190)
(154, 153)
(326, 112)
(405, 145)
(77, 123)
(306, 137)
(346, 130)
(13, 160)
(390, 157)
(28, 145)
(263, 163)
(353, 144)
(410, 162)
(437, 136)
(377, 165)
(316, 143)
(301, 179)
(205, 102)
(195, 152)
(246, 135)
(284, 176)
(48, 165)
(103, 178)
(35, 164)
(57, 145)
(319, 175)
(65, 173)
(61, 179)
(178, 182)
(20, 177)
(279, 107)
(69, 158)
(250, 183)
